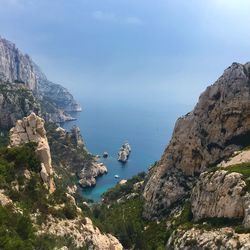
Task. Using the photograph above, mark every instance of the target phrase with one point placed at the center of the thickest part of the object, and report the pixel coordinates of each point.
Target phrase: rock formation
(218, 194)
(223, 239)
(69, 151)
(31, 129)
(83, 233)
(218, 126)
(124, 152)
(89, 174)
(16, 68)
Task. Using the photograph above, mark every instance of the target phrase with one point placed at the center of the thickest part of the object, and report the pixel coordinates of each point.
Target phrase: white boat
(117, 176)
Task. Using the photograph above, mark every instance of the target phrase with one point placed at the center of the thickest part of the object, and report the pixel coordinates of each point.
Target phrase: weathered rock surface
(237, 158)
(199, 239)
(4, 199)
(17, 68)
(31, 129)
(124, 152)
(212, 131)
(218, 194)
(83, 233)
(89, 174)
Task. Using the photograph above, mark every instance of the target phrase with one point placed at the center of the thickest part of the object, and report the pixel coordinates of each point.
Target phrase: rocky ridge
(31, 129)
(218, 126)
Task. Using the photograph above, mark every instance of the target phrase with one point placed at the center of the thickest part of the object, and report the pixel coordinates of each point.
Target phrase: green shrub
(120, 190)
(69, 211)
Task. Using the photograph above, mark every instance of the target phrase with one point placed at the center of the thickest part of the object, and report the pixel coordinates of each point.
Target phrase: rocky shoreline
(88, 176)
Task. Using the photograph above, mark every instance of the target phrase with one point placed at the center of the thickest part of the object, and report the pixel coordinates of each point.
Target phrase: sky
(161, 50)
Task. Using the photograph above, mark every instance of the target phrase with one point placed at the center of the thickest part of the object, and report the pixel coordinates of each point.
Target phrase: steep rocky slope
(33, 213)
(218, 126)
(16, 67)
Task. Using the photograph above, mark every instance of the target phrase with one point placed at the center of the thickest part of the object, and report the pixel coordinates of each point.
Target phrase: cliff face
(212, 131)
(16, 68)
(219, 195)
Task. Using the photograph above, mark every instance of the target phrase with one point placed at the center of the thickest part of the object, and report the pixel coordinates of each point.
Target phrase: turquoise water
(105, 126)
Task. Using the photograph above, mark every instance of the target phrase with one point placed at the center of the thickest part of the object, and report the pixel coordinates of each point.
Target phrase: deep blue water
(106, 125)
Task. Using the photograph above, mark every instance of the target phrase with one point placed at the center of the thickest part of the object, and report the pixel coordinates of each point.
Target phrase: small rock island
(124, 152)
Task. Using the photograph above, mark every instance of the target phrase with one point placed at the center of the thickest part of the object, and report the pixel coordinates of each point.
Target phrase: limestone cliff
(31, 129)
(219, 194)
(201, 239)
(17, 68)
(218, 125)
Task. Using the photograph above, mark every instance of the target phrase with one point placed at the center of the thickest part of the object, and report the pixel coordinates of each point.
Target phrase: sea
(106, 124)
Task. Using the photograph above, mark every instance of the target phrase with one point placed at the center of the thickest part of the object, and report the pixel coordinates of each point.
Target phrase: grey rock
(203, 137)
(218, 195)
(124, 153)
(201, 239)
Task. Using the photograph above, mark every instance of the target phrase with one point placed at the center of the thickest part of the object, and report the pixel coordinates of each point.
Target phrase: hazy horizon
(168, 51)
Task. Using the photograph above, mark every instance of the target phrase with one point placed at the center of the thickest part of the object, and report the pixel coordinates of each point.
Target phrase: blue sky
(165, 50)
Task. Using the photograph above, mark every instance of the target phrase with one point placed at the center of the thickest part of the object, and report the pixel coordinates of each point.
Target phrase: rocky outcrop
(201, 239)
(124, 153)
(17, 68)
(89, 174)
(218, 126)
(16, 102)
(218, 194)
(31, 129)
(76, 137)
(83, 233)
(69, 151)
